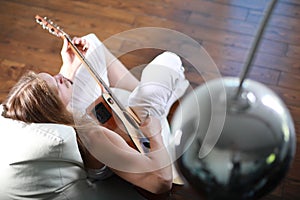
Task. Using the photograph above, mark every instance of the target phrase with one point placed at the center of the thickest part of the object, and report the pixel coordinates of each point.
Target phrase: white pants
(162, 83)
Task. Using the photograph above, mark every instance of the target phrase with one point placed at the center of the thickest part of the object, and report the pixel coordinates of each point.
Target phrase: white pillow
(37, 159)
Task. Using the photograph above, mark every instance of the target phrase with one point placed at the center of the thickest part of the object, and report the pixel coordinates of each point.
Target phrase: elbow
(162, 184)
(165, 186)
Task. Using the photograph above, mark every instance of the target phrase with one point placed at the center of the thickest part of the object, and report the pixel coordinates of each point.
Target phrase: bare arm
(151, 171)
(119, 76)
(71, 62)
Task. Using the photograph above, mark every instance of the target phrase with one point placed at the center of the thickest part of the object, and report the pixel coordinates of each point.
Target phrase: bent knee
(168, 59)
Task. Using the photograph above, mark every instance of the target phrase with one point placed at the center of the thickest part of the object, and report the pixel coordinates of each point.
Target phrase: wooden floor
(225, 28)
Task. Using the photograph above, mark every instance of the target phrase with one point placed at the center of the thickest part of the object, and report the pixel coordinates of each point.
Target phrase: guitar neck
(93, 72)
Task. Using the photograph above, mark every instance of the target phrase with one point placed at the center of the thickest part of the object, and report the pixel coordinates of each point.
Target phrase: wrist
(67, 72)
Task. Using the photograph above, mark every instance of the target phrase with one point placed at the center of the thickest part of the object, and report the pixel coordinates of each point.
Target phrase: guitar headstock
(50, 26)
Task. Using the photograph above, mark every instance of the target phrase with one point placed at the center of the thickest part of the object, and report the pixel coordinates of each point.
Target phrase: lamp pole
(254, 46)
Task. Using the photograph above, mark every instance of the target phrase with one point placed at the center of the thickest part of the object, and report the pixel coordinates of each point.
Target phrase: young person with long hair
(53, 147)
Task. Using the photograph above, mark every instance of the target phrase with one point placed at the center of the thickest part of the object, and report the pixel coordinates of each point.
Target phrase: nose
(59, 78)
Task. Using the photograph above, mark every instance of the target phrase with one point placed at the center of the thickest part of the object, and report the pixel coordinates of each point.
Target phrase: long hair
(32, 100)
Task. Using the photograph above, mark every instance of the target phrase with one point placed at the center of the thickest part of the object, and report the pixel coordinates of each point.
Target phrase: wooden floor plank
(293, 51)
(287, 9)
(291, 191)
(290, 81)
(284, 64)
(251, 4)
(289, 96)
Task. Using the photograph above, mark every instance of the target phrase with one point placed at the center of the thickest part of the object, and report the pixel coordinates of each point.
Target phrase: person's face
(59, 83)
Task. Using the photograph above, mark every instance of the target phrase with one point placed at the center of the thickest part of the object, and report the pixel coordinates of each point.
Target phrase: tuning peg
(49, 25)
(52, 31)
(39, 21)
(44, 26)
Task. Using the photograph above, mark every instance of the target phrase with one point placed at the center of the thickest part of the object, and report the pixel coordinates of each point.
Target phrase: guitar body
(102, 112)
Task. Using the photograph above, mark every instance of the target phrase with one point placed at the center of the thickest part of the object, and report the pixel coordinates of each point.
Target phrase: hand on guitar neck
(71, 62)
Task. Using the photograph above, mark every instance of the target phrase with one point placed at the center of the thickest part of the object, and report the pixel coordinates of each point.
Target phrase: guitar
(106, 109)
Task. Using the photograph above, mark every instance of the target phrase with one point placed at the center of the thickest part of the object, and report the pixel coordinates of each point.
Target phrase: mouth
(63, 80)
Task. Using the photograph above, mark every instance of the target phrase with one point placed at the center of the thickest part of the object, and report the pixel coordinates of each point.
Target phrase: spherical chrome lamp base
(233, 146)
